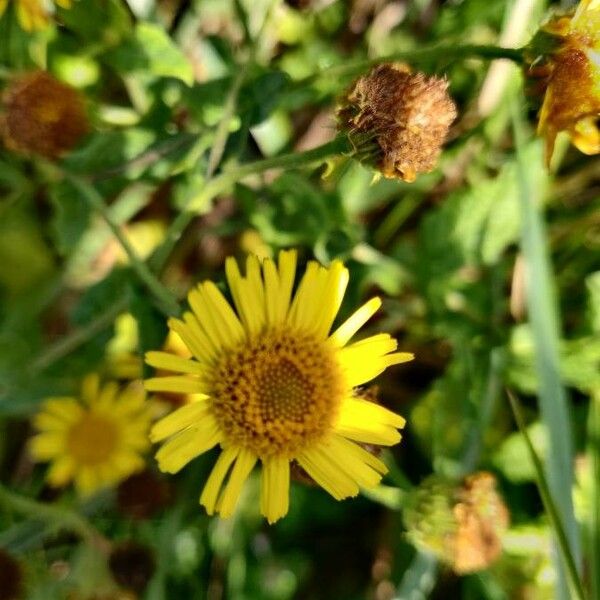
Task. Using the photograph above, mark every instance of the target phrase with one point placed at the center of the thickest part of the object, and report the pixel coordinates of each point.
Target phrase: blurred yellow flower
(277, 386)
(96, 440)
(572, 80)
(33, 14)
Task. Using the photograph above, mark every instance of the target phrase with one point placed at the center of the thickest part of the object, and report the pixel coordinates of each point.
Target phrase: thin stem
(549, 506)
(222, 182)
(445, 52)
(167, 302)
(54, 514)
(64, 346)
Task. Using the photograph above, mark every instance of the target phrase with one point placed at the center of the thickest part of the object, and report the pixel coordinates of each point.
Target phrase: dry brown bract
(42, 115)
(406, 114)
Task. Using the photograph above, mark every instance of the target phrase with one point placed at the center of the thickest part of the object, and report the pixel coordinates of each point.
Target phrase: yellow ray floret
(33, 14)
(276, 386)
(96, 440)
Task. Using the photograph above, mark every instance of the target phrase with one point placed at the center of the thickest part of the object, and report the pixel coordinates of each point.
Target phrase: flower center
(92, 439)
(277, 393)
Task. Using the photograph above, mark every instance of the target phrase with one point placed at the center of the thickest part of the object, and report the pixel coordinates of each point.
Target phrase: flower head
(33, 14)
(277, 385)
(398, 119)
(41, 115)
(96, 440)
(459, 521)
(570, 74)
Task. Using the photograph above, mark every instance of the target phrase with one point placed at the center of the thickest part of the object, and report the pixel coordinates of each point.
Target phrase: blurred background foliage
(167, 81)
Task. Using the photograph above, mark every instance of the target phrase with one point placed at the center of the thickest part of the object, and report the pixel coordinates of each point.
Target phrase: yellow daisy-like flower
(276, 385)
(572, 76)
(33, 14)
(96, 440)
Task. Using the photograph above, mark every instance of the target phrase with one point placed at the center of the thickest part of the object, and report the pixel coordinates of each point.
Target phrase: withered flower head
(460, 522)
(132, 565)
(564, 57)
(143, 495)
(398, 120)
(11, 577)
(41, 115)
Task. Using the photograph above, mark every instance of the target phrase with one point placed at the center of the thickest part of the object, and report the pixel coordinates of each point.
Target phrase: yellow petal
(213, 485)
(170, 362)
(243, 465)
(369, 423)
(319, 466)
(61, 471)
(178, 420)
(187, 445)
(275, 488)
(342, 335)
(175, 384)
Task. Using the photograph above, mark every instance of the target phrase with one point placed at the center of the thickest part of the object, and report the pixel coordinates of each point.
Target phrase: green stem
(549, 506)
(52, 513)
(167, 302)
(64, 346)
(423, 55)
(226, 179)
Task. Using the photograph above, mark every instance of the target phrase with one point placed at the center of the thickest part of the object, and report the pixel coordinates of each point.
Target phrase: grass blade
(543, 315)
(549, 505)
(594, 517)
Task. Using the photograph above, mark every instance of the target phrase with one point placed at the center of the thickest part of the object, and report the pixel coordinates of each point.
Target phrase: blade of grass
(419, 579)
(543, 315)
(550, 507)
(594, 517)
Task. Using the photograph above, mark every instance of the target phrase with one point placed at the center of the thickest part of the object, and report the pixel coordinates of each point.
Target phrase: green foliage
(200, 115)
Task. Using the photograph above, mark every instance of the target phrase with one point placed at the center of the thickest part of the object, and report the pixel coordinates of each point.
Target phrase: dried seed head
(41, 115)
(143, 495)
(11, 577)
(132, 565)
(398, 120)
(460, 522)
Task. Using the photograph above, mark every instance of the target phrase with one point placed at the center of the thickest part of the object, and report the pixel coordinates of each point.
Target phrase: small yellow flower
(97, 440)
(276, 385)
(572, 80)
(33, 14)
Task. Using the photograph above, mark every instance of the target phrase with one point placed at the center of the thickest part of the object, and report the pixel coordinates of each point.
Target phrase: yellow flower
(572, 80)
(277, 386)
(33, 14)
(97, 440)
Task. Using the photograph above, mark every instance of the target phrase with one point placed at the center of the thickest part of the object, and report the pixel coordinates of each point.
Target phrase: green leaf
(71, 216)
(151, 50)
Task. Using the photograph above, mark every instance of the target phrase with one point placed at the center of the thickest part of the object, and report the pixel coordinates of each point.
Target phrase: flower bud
(460, 522)
(398, 120)
(41, 115)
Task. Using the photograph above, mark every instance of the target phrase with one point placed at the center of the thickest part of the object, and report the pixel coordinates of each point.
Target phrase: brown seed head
(41, 115)
(11, 577)
(132, 565)
(404, 117)
(143, 495)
